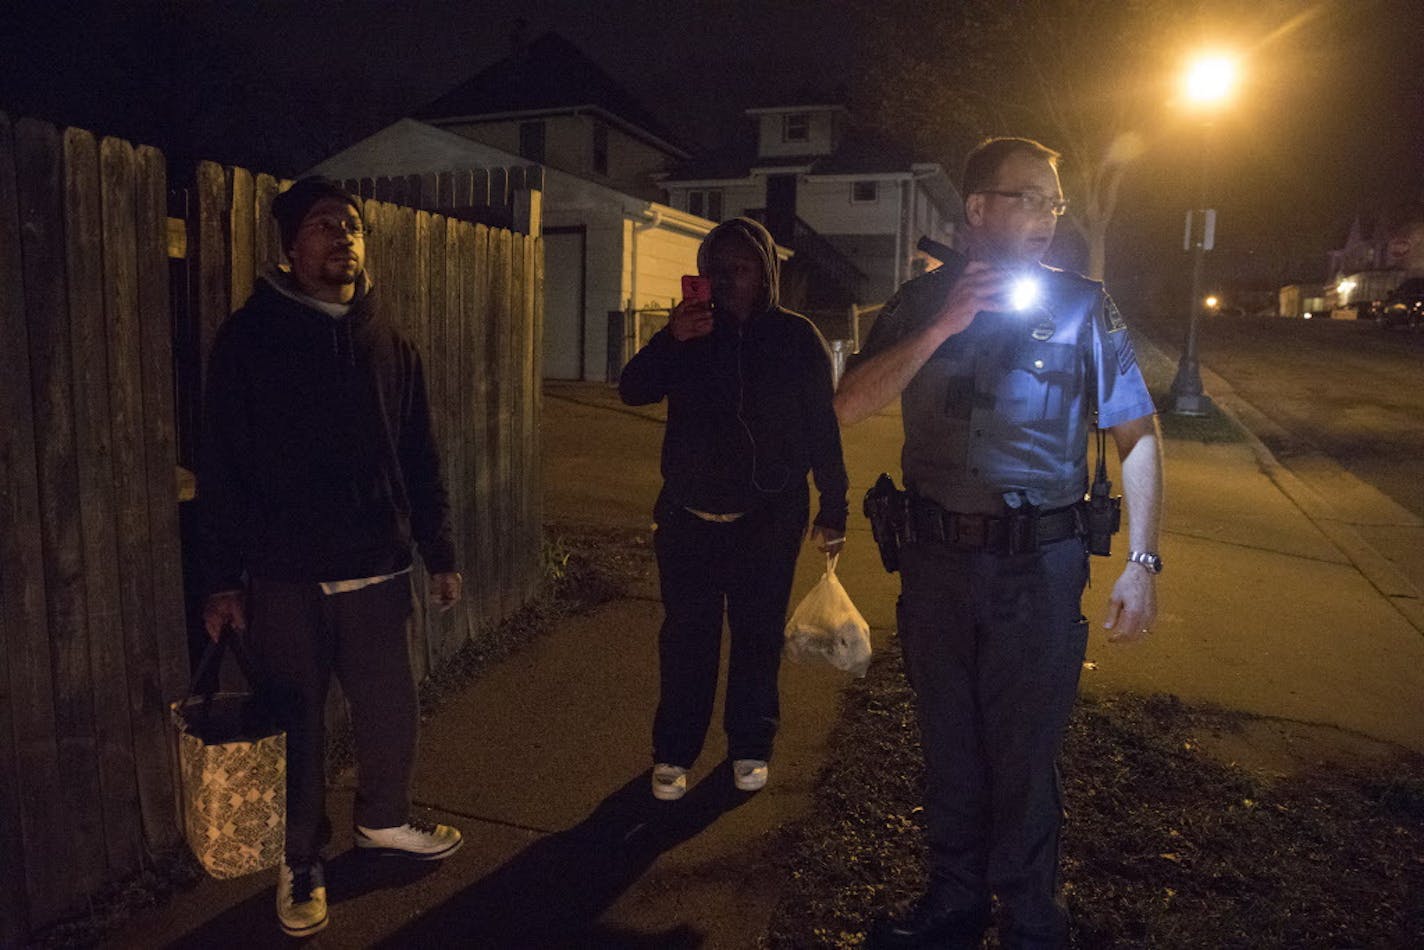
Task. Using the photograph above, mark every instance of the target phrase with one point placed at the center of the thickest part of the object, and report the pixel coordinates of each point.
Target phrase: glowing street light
(1207, 85)
(1210, 80)
(1212, 302)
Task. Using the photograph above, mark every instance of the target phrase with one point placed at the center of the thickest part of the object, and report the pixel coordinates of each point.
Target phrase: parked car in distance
(1404, 307)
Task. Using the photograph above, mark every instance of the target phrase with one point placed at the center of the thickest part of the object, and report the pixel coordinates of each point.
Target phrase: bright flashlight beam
(1210, 79)
(1024, 293)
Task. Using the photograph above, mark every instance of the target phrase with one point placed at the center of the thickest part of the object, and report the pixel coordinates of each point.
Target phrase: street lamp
(1207, 84)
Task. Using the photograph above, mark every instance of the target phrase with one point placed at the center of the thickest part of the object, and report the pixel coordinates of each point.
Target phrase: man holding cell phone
(749, 392)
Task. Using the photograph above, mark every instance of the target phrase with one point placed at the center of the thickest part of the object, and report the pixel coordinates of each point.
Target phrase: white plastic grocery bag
(826, 628)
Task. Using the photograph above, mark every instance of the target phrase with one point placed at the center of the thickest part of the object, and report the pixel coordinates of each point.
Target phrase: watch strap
(1147, 559)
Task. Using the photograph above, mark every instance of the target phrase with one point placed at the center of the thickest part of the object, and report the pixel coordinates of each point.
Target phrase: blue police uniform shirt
(1000, 413)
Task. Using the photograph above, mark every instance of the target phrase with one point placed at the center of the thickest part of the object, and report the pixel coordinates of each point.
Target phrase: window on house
(796, 127)
(531, 141)
(864, 191)
(705, 203)
(600, 149)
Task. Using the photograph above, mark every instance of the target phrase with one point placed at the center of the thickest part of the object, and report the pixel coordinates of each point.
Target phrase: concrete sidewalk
(543, 761)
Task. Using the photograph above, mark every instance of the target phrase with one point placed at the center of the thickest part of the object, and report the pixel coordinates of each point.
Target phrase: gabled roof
(549, 76)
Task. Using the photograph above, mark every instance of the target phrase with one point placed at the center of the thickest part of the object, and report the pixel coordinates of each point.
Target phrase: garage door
(564, 277)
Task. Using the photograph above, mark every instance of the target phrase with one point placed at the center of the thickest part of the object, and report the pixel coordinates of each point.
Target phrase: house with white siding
(812, 170)
(609, 242)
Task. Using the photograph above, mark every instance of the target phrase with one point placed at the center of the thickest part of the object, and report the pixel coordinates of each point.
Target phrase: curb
(1381, 573)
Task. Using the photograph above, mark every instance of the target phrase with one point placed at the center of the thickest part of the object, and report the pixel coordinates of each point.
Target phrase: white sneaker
(749, 774)
(301, 898)
(422, 840)
(669, 782)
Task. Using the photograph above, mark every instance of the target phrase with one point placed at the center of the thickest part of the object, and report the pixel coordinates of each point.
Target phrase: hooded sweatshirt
(319, 462)
(749, 405)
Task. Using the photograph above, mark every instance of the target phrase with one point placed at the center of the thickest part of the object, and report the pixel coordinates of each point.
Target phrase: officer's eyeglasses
(331, 228)
(1034, 201)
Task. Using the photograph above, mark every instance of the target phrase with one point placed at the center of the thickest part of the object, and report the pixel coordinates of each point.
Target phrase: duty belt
(1014, 533)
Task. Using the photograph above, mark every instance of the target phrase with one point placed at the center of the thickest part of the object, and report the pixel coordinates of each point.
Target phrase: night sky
(1330, 124)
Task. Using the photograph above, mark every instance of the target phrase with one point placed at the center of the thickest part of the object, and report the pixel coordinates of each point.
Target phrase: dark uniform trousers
(299, 637)
(993, 646)
(748, 565)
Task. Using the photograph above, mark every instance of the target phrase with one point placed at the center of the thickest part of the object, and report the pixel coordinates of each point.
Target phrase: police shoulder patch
(1116, 328)
(1112, 316)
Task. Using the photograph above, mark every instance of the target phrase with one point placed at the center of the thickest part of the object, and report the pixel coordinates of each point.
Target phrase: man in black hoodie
(749, 395)
(319, 471)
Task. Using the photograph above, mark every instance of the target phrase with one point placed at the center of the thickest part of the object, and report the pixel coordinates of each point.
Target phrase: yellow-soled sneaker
(301, 898)
(418, 839)
(669, 782)
(750, 774)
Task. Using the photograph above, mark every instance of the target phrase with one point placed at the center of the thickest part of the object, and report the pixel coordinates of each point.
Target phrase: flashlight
(1024, 293)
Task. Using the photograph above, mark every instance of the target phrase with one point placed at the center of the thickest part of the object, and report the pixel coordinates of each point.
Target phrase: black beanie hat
(291, 206)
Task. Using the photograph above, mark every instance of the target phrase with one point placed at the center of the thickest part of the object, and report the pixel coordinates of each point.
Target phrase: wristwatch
(1150, 561)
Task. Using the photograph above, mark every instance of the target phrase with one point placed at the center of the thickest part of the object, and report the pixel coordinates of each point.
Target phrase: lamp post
(1206, 86)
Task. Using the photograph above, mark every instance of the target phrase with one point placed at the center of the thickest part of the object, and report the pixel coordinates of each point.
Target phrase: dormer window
(796, 127)
(864, 191)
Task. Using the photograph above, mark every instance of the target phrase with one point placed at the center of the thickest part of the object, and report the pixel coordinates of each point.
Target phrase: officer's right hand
(690, 320)
(225, 609)
(981, 287)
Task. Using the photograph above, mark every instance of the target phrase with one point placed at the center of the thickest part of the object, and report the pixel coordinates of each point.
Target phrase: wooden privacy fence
(499, 197)
(92, 634)
(107, 309)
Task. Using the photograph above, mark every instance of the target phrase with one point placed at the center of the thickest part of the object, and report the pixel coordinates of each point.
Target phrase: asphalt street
(1340, 406)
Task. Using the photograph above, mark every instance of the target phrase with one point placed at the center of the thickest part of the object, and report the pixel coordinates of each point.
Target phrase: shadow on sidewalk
(253, 923)
(552, 893)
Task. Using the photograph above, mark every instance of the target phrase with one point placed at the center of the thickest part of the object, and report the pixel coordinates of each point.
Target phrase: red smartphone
(696, 289)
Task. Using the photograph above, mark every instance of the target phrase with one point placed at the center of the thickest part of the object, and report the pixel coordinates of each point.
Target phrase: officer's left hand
(1132, 609)
(445, 589)
(828, 540)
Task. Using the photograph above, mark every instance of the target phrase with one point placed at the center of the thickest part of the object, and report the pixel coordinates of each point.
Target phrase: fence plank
(502, 362)
(168, 615)
(42, 263)
(454, 259)
(458, 265)
(498, 188)
(27, 746)
(122, 822)
(210, 238)
(445, 352)
(517, 367)
(414, 284)
(242, 234)
(51, 374)
(267, 246)
(57, 659)
(479, 317)
(116, 162)
(371, 218)
(440, 192)
(531, 531)
(429, 192)
(462, 191)
(536, 392)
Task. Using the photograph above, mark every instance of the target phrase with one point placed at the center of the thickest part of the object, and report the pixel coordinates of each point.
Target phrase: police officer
(1001, 364)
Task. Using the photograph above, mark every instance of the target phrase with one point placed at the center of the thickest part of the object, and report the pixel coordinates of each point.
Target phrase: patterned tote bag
(233, 763)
